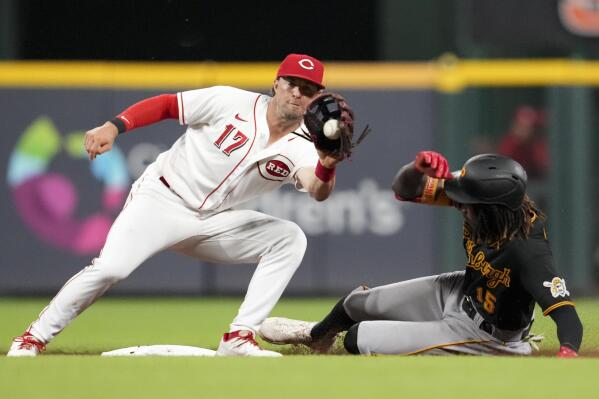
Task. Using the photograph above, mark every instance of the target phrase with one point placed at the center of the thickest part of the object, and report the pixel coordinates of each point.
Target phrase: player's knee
(294, 238)
(110, 274)
(360, 290)
(350, 342)
(356, 298)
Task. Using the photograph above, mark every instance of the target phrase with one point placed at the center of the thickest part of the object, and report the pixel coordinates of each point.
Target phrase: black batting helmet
(489, 179)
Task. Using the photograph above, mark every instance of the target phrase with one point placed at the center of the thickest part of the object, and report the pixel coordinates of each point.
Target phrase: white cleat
(242, 343)
(26, 345)
(280, 330)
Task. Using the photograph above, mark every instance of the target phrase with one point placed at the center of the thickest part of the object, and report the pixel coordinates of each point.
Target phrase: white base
(160, 350)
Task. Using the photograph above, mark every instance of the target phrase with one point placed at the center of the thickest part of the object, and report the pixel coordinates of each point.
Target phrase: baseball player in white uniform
(237, 145)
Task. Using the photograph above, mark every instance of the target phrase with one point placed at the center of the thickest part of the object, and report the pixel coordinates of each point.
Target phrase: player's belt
(489, 328)
(471, 312)
(163, 180)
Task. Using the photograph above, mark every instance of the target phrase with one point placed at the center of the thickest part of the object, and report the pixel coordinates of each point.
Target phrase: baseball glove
(331, 106)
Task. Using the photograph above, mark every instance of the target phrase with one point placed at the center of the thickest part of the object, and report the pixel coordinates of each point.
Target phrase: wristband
(323, 173)
(120, 125)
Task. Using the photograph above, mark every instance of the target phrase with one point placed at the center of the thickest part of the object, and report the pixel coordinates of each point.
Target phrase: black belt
(163, 180)
(471, 312)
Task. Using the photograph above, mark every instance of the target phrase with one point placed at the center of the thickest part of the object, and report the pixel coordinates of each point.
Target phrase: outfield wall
(57, 207)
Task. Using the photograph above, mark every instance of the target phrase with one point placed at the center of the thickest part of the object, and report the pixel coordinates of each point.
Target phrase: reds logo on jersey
(277, 168)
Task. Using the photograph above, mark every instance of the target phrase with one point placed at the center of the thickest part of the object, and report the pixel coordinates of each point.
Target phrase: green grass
(71, 367)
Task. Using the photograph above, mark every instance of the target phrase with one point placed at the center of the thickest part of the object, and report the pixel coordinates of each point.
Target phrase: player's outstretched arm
(569, 330)
(319, 181)
(146, 112)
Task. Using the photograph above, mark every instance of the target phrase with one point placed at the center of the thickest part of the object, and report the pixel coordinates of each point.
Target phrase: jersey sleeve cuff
(181, 108)
(120, 125)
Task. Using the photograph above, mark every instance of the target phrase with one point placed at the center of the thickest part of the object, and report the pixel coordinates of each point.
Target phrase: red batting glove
(432, 164)
(566, 352)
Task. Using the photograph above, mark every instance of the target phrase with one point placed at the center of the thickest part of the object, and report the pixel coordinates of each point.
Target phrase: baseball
(331, 129)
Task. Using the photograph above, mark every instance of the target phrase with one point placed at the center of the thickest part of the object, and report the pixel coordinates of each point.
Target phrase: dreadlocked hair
(496, 224)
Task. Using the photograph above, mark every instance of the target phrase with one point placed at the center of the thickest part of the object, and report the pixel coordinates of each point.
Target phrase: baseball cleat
(26, 345)
(280, 330)
(242, 343)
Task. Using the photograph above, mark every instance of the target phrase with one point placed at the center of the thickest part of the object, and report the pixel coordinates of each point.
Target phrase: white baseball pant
(154, 219)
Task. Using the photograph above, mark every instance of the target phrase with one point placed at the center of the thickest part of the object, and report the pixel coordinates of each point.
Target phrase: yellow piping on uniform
(447, 344)
(558, 305)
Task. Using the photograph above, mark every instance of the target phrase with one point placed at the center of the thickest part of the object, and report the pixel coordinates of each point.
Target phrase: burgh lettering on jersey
(478, 262)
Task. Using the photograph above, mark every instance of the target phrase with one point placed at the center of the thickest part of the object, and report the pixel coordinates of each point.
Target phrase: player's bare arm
(319, 181)
(317, 188)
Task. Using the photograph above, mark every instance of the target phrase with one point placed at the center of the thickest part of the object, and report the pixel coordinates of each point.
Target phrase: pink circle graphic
(47, 201)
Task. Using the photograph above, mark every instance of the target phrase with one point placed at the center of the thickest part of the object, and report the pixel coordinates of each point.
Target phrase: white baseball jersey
(223, 159)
